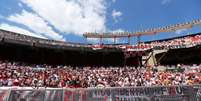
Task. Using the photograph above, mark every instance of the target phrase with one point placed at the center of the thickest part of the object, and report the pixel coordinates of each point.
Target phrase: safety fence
(170, 93)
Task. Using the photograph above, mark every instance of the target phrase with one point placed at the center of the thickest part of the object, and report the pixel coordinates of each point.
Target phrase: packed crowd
(184, 42)
(15, 74)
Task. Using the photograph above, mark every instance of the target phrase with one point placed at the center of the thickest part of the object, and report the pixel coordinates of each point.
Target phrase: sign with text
(171, 93)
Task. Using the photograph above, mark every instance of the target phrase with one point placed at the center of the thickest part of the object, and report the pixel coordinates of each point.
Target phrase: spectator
(12, 74)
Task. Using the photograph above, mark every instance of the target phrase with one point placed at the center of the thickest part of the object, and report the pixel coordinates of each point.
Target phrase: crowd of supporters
(175, 43)
(16, 74)
(183, 42)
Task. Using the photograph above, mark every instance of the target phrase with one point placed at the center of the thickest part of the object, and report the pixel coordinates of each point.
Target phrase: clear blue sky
(69, 19)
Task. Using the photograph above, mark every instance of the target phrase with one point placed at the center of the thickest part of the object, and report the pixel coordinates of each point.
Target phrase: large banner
(173, 93)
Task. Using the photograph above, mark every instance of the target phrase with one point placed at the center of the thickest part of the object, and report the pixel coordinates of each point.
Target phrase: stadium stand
(33, 69)
(22, 75)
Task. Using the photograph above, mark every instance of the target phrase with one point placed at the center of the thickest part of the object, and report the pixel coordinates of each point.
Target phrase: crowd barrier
(170, 93)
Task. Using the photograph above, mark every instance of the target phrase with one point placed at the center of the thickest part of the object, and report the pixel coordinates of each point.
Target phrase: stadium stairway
(146, 57)
(149, 58)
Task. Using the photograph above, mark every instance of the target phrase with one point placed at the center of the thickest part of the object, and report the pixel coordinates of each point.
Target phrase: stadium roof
(151, 31)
